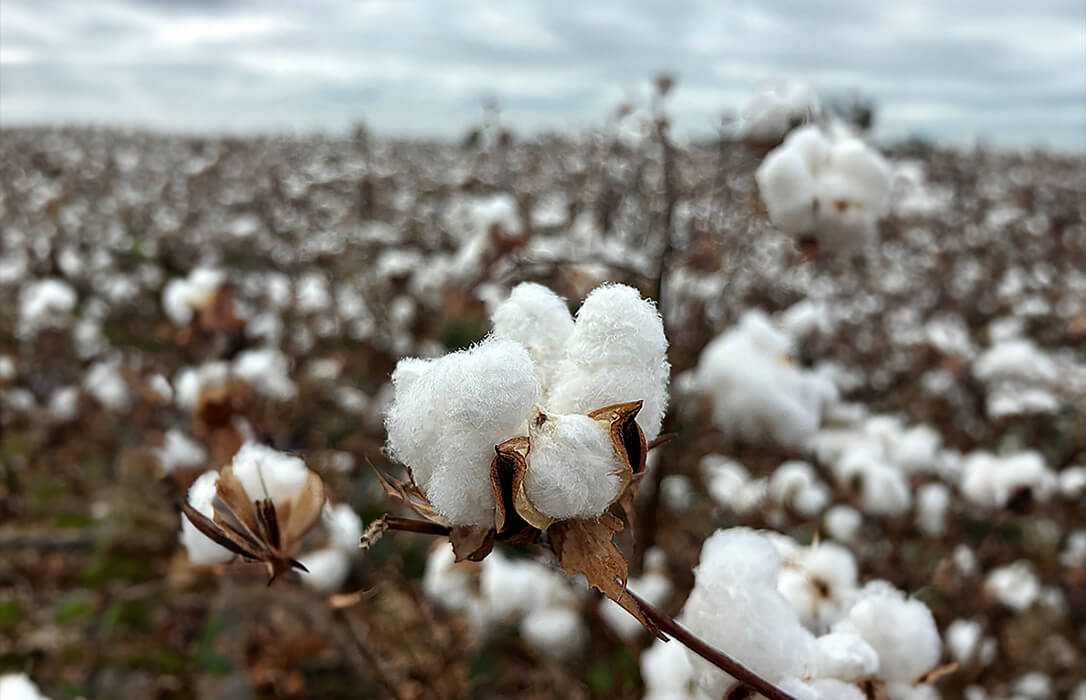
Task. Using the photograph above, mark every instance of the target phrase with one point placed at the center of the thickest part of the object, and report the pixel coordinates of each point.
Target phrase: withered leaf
(301, 513)
(410, 495)
(471, 543)
(588, 547)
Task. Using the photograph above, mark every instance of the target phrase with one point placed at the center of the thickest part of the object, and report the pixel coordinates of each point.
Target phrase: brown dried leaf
(471, 543)
(587, 547)
(410, 495)
(233, 494)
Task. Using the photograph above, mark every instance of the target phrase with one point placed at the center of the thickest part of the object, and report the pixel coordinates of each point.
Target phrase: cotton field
(575, 416)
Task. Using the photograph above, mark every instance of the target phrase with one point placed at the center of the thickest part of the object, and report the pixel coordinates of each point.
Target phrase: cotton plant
(756, 391)
(826, 185)
(746, 603)
(540, 427)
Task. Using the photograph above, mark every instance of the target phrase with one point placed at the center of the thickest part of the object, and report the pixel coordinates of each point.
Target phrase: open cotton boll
(444, 423)
(1015, 586)
(843, 522)
(45, 303)
(268, 473)
(967, 644)
(992, 481)
(179, 450)
(616, 353)
(735, 606)
(667, 672)
(449, 583)
(538, 319)
(190, 381)
(18, 686)
(932, 501)
(201, 549)
(182, 297)
(266, 370)
(557, 631)
(343, 525)
(788, 188)
(774, 111)
(105, 383)
(64, 404)
(1016, 359)
(902, 631)
(846, 657)
(573, 468)
(328, 568)
(882, 488)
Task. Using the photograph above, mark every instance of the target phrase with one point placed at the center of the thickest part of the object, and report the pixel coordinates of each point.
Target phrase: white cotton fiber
(777, 109)
(538, 319)
(343, 525)
(557, 631)
(900, 629)
(667, 671)
(328, 568)
(572, 466)
(45, 303)
(757, 393)
(990, 480)
(833, 689)
(445, 423)
(183, 296)
(200, 548)
(616, 353)
(735, 606)
(268, 473)
(784, 179)
(267, 371)
(179, 450)
(18, 686)
(846, 657)
(106, 384)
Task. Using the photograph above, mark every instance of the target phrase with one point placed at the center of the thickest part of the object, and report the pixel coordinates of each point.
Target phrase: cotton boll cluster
(831, 186)
(773, 112)
(993, 481)
(448, 415)
(763, 599)
(499, 590)
(182, 298)
(45, 303)
(757, 393)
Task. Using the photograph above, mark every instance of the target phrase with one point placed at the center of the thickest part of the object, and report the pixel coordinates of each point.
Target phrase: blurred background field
(308, 255)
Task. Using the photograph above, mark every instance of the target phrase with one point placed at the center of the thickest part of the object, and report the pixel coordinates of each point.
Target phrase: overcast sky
(1008, 71)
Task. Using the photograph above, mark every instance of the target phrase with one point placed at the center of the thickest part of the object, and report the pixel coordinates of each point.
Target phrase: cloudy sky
(1007, 71)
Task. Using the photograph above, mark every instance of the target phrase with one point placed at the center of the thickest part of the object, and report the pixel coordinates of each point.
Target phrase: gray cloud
(1012, 72)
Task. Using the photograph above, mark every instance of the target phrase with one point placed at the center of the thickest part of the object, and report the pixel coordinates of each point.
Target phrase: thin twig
(422, 527)
(710, 653)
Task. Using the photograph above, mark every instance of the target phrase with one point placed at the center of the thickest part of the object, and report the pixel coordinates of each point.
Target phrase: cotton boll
(832, 689)
(846, 657)
(268, 473)
(190, 381)
(774, 111)
(1074, 552)
(179, 450)
(7, 368)
(45, 303)
(843, 522)
(616, 353)
(932, 501)
(799, 689)
(105, 383)
(343, 525)
(667, 672)
(787, 187)
(556, 631)
(1034, 685)
(328, 568)
(267, 371)
(1015, 586)
(795, 484)
(992, 481)
(64, 404)
(201, 549)
(445, 422)
(882, 488)
(448, 583)
(18, 686)
(967, 644)
(900, 629)
(538, 319)
(182, 297)
(573, 467)
(735, 607)
(905, 691)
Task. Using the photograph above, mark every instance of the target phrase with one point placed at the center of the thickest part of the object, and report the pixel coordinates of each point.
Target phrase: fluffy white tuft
(268, 473)
(182, 297)
(18, 686)
(445, 422)
(538, 319)
(200, 548)
(266, 370)
(572, 466)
